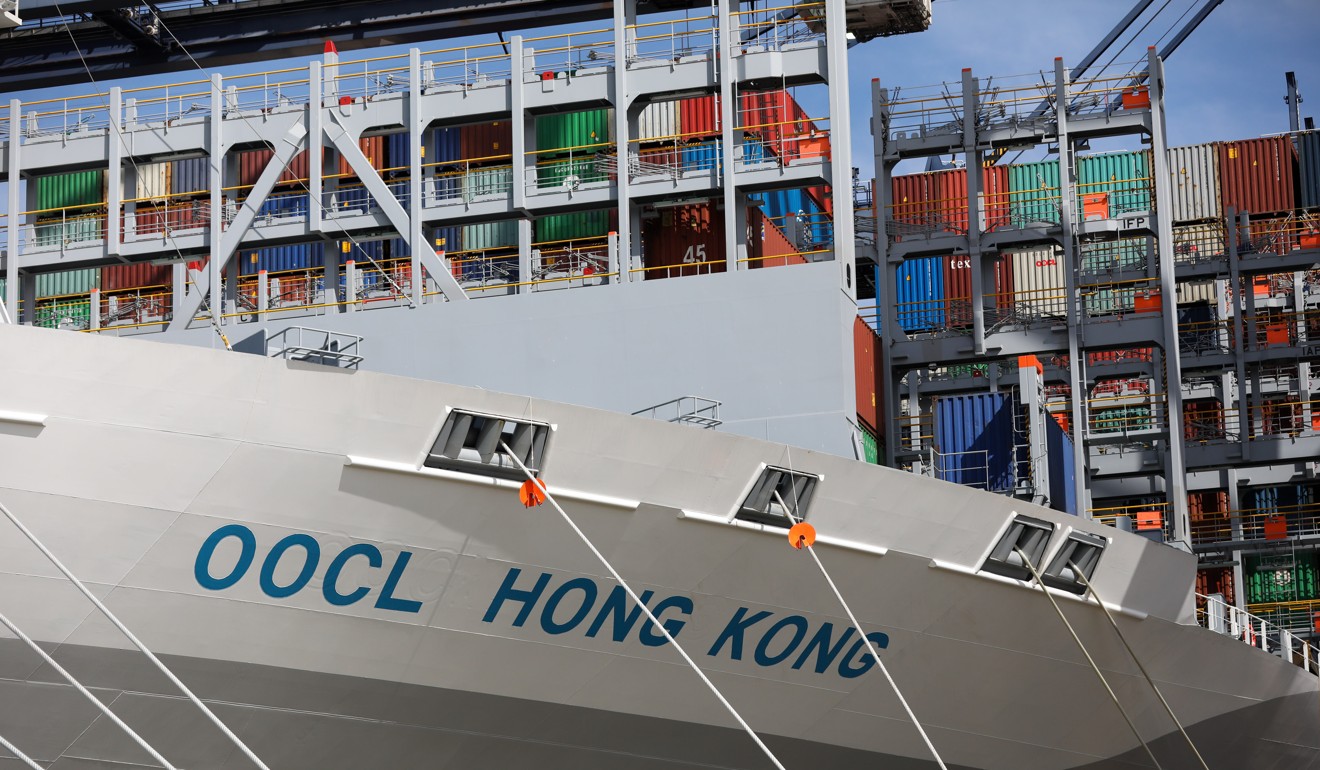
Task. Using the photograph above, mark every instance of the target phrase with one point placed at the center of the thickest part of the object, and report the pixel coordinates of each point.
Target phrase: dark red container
(142, 275)
(486, 142)
(769, 246)
(1203, 419)
(777, 120)
(1215, 580)
(866, 347)
(253, 162)
(698, 118)
(1273, 235)
(912, 200)
(373, 147)
(684, 240)
(958, 287)
(1258, 175)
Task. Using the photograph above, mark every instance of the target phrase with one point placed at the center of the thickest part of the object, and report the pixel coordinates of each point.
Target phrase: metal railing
(1280, 640)
(688, 410)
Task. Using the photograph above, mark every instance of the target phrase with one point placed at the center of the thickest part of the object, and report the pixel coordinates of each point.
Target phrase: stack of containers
(866, 363)
(1122, 178)
(1284, 577)
(567, 144)
(484, 248)
(684, 240)
(584, 232)
(658, 140)
(1210, 517)
(773, 248)
(1039, 283)
(70, 208)
(976, 441)
(699, 128)
(64, 298)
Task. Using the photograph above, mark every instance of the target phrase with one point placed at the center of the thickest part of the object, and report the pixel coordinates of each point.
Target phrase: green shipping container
(1124, 176)
(870, 446)
(1033, 192)
(490, 235)
(568, 227)
(63, 313)
(80, 188)
(1121, 419)
(68, 282)
(559, 133)
(58, 233)
(488, 181)
(1282, 578)
(557, 173)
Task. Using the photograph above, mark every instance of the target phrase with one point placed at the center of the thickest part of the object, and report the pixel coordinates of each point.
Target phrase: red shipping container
(949, 192)
(776, 119)
(958, 288)
(1215, 580)
(684, 240)
(698, 117)
(913, 200)
(136, 276)
(373, 147)
(865, 347)
(1258, 175)
(486, 142)
(253, 162)
(769, 245)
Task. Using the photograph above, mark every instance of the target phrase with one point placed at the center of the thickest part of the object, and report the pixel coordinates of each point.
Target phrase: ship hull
(270, 530)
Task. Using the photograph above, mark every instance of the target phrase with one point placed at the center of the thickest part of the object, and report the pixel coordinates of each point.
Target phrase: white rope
(79, 687)
(875, 654)
(21, 756)
(136, 642)
(1025, 560)
(647, 611)
(1140, 665)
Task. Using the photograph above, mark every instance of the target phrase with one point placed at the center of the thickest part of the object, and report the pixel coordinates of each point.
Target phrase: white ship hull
(461, 630)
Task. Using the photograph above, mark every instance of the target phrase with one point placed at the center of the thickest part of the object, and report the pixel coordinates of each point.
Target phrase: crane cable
(650, 616)
(1123, 637)
(1094, 666)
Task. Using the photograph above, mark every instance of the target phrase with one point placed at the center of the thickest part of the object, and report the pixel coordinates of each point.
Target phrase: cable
(645, 610)
(132, 638)
(24, 758)
(104, 709)
(1095, 667)
(1086, 582)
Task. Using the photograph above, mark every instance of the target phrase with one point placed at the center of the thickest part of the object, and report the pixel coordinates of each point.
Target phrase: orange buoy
(532, 493)
(802, 535)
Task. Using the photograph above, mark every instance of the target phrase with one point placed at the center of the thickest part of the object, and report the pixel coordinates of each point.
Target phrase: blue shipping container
(919, 295)
(701, 157)
(446, 146)
(280, 259)
(448, 238)
(1308, 168)
(283, 206)
(190, 176)
(1063, 472)
(974, 438)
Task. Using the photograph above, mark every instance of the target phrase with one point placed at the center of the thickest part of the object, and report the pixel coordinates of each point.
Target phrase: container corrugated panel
(449, 238)
(445, 145)
(1286, 577)
(1108, 300)
(772, 247)
(1122, 254)
(1124, 176)
(567, 227)
(974, 436)
(1216, 580)
(958, 288)
(483, 142)
(79, 188)
(568, 173)
(658, 121)
(865, 345)
(73, 312)
(1039, 282)
(373, 147)
(253, 162)
(153, 181)
(913, 200)
(136, 276)
(702, 156)
(1258, 175)
(279, 259)
(490, 235)
(698, 117)
(398, 153)
(1194, 173)
(280, 205)
(1195, 243)
(948, 193)
(63, 232)
(68, 282)
(919, 295)
(684, 240)
(190, 176)
(487, 181)
(1197, 291)
(563, 131)
(870, 445)
(774, 118)
(1062, 468)
(1034, 192)
(1308, 169)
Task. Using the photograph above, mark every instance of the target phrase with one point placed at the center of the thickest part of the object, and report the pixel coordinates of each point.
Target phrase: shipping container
(1211, 581)
(450, 238)
(253, 162)
(1125, 177)
(913, 201)
(1210, 520)
(772, 248)
(949, 189)
(684, 240)
(1308, 169)
(568, 174)
(700, 156)
(445, 145)
(60, 233)
(870, 445)
(580, 132)
(976, 440)
(699, 117)
(66, 313)
(190, 177)
(1113, 256)
(153, 181)
(1121, 419)
(658, 121)
(139, 275)
(1039, 283)
(866, 347)
(1290, 576)
(798, 214)
(1194, 188)
(486, 142)
(568, 227)
(292, 204)
(1062, 468)
(483, 182)
(775, 120)
(67, 282)
(1034, 192)
(75, 189)
(283, 259)
(1105, 300)
(958, 288)
(373, 147)
(490, 235)
(1198, 243)
(1258, 175)
(1191, 292)
(919, 295)
(1203, 419)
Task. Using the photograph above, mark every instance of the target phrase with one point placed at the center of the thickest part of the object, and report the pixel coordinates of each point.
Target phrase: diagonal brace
(349, 150)
(294, 141)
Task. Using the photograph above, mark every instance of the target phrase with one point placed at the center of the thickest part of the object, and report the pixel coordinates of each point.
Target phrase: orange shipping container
(865, 348)
(769, 245)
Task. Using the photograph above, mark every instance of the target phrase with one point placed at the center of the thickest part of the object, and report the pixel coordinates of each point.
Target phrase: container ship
(527, 404)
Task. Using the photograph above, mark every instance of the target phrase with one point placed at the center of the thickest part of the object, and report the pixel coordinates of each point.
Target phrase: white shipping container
(153, 181)
(1197, 291)
(658, 121)
(1194, 183)
(1039, 281)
